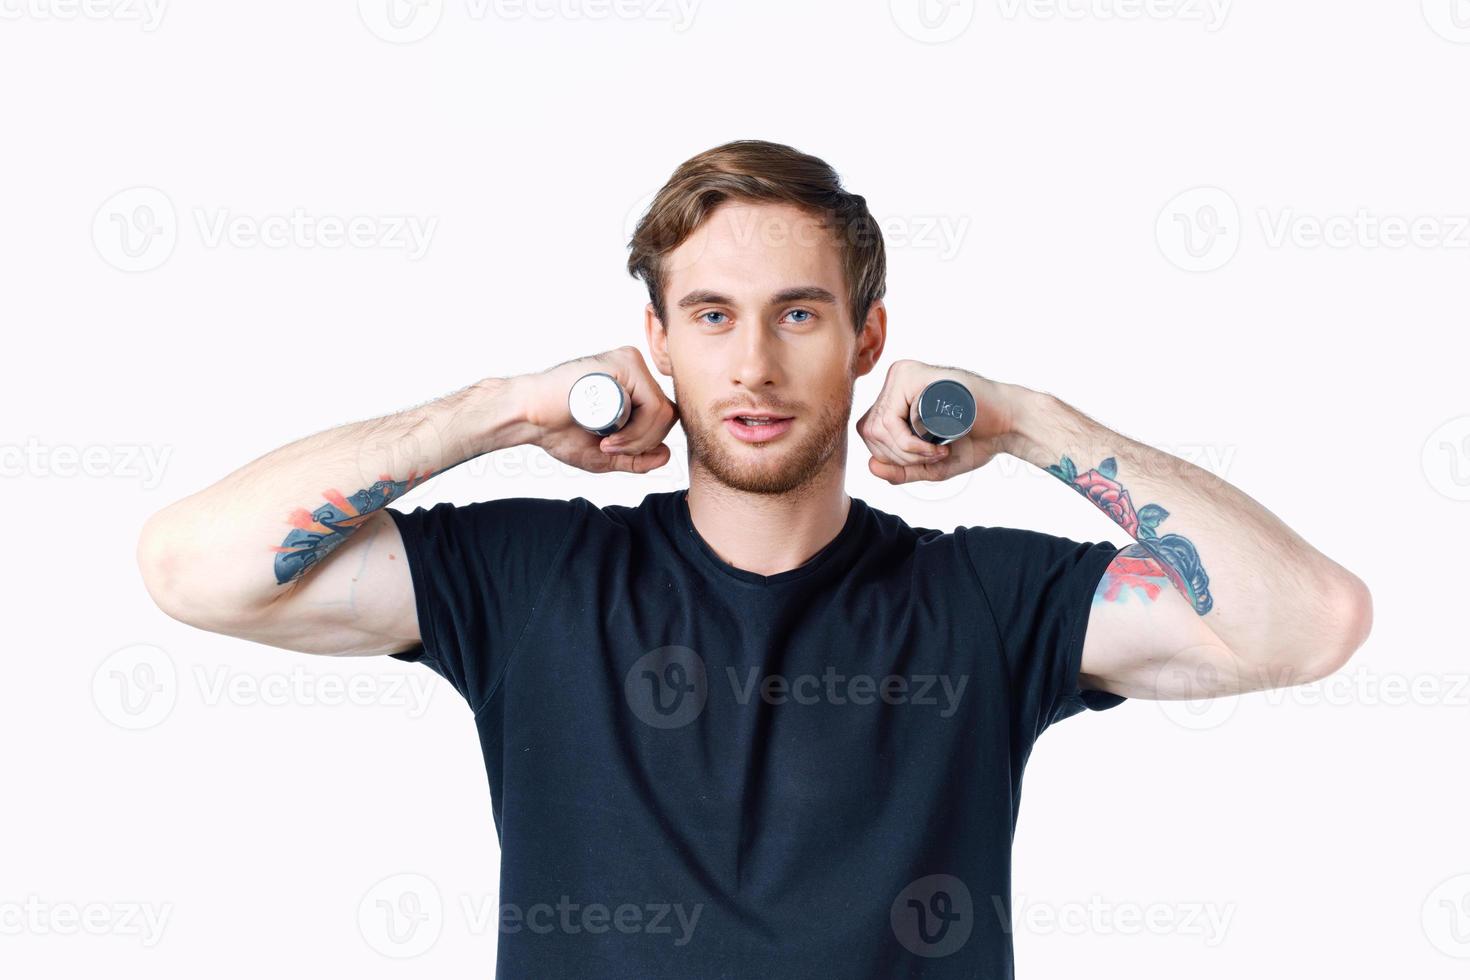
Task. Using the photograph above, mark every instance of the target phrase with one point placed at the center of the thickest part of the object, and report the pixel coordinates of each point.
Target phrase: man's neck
(764, 533)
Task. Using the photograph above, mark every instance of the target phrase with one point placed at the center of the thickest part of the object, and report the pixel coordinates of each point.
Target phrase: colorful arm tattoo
(1141, 569)
(316, 533)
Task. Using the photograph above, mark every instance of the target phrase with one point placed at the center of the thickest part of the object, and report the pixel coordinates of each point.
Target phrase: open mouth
(757, 428)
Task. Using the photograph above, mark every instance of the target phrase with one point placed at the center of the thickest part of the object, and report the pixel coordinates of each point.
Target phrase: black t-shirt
(702, 773)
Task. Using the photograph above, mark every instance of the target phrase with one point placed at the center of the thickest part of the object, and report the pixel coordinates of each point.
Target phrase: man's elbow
(175, 585)
(1351, 620)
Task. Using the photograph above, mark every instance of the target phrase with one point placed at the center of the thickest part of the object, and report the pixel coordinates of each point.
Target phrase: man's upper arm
(1145, 640)
(357, 601)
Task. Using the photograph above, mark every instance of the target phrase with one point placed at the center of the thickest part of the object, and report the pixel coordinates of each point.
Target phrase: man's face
(758, 322)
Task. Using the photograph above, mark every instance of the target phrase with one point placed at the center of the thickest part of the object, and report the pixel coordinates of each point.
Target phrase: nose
(759, 362)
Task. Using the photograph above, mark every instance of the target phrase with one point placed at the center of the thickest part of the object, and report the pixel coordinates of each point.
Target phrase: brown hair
(755, 170)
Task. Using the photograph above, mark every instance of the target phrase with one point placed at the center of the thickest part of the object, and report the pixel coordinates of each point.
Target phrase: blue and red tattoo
(1145, 568)
(315, 533)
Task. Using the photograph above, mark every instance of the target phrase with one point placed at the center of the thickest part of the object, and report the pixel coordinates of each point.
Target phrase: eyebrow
(796, 294)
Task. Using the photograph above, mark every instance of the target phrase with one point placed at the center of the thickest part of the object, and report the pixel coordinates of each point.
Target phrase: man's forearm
(235, 545)
(1282, 606)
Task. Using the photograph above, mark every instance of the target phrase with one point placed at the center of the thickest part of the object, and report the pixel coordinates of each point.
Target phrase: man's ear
(658, 341)
(870, 339)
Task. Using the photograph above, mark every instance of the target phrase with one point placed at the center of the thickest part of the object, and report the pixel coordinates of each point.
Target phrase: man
(757, 728)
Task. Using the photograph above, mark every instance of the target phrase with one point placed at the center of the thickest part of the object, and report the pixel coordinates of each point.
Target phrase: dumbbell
(943, 412)
(599, 404)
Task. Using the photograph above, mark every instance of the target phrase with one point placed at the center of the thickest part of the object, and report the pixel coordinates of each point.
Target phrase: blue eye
(808, 313)
(711, 313)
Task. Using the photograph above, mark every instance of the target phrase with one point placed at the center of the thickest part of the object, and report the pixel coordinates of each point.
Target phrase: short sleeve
(478, 572)
(1039, 589)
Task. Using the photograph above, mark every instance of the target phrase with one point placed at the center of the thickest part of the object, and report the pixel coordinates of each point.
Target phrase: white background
(1028, 162)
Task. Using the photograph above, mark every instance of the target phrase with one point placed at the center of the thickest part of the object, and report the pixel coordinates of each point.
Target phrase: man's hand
(899, 456)
(635, 448)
